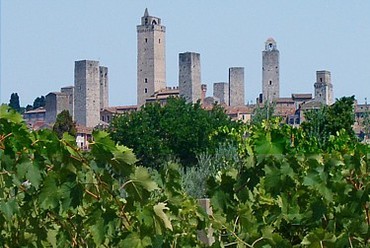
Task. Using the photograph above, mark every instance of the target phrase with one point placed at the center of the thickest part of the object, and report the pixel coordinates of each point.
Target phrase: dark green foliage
(54, 195)
(177, 130)
(14, 102)
(64, 124)
(29, 107)
(263, 113)
(328, 120)
(39, 102)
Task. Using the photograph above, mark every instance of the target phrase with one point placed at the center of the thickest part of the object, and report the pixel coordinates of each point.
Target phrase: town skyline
(338, 45)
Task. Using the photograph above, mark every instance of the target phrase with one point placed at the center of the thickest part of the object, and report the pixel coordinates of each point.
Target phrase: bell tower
(151, 57)
(270, 71)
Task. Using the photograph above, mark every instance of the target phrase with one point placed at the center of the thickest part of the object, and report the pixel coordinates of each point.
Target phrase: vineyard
(283, 188)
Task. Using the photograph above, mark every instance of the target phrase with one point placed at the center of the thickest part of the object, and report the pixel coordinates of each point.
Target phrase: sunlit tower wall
(151, 57)
(190, 76)
(87, 93)
(104, 87)
(324, 88)
(270, 72)
(236, 86)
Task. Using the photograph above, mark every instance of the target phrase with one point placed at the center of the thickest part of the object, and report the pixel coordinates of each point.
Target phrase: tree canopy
(177, 130)
(14, 102)
(64, 124)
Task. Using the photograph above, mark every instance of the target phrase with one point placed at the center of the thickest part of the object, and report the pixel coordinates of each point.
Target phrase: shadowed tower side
(151, 57)
(270, 71)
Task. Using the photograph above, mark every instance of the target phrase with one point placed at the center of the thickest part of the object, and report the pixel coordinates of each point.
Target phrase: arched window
(154, 22)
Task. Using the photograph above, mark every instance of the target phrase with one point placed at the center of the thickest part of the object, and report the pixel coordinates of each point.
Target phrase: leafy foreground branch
(285, 191)
(52, 194)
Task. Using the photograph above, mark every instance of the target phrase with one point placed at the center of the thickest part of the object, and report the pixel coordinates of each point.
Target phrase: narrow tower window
(146, 40)
(270, 82)
(146, 80)
(320, 79)
(145, 90)
(159, 41)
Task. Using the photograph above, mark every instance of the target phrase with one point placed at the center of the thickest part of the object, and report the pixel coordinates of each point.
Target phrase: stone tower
(103, 80)
(55, 103)
(87, 93)
(236, 86)
(69, 91)
(190, 77)
(270, 71)
(151, 57)
(324, 88)
(221, 92)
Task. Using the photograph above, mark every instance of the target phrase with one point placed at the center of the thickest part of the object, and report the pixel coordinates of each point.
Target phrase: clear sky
(40, 40)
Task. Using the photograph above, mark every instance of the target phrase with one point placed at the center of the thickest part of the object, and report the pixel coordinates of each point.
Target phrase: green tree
(263, 113)
(328, 120)
(14, 102)
(54, 195)
(64, 124)
(39, 102)
(178, 130)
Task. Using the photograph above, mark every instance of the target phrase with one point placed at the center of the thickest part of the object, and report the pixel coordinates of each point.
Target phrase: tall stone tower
(190, 77)
(221, 92)
(103, 80)
(87, 93)
(324, 88)
(236, 86)
(151, 57)
(270, 71)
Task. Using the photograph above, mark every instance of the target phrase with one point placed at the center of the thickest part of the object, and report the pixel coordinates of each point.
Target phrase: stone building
(151, 57)
(324, 88)
(87, 93)
(221, 92)
(104, 94)
(270, 71)
(190, 76)
(55, 102)
(236, 86)
(69, 91)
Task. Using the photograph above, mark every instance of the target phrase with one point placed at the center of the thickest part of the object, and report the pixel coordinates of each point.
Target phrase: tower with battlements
(270, 72)
(151, 57)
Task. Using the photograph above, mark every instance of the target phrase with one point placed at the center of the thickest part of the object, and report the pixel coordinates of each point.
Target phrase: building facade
(55, 102)
(221, 92)
(190, 76)
(151, 57)
(236, 86)
(87, 93)
(103, 80)
(270, 71)
(324, 88)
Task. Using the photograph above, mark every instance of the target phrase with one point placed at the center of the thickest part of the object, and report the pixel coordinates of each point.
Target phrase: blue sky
(40, 40)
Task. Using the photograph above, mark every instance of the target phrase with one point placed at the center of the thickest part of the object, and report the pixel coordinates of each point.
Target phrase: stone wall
(87, 93)
(190, 76)
(221, 91)
(236, 86)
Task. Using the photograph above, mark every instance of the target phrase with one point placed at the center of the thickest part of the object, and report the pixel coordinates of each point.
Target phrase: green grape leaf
(159, 211)
(142, 177)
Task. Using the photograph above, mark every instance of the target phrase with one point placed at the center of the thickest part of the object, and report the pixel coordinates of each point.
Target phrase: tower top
(270, 44)
(147, 20)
